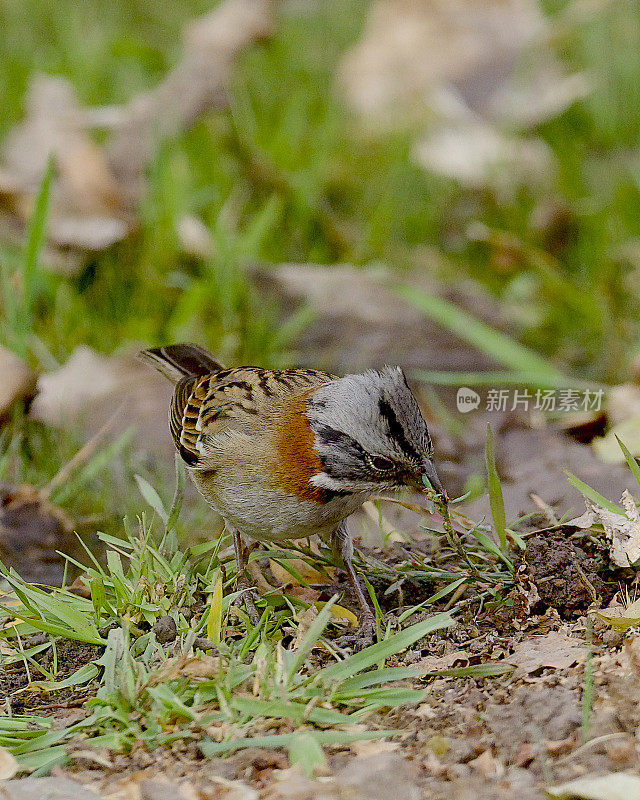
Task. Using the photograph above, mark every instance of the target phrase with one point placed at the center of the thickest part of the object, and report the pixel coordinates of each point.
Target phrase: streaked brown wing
(205, 405)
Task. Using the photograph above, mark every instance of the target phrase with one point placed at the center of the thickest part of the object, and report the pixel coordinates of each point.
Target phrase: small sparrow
(284, 454)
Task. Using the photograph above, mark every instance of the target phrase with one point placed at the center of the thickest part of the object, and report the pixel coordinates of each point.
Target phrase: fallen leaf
(475, 153)
(304, 593)
(457, 658)
(558, 747)
(554, 650)
(487, 765)
(474, 73)
(623, 532)
(373, 747)
(17, 381)
(89, 388)
(87, 209)
(259, 581)
(622, 409)
(310, 575)
(304, 619)
(41, 788)
(32, 530)
(410, 46)
(607, 448)
(202, 666)
(620, 617)
(85, 379)
(612, 786)
(8, 765)
(339, 612)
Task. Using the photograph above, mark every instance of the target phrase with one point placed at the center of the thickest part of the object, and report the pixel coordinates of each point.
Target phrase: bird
(282, 454)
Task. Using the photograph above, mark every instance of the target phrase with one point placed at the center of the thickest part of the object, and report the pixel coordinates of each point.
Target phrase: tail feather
(175, 361)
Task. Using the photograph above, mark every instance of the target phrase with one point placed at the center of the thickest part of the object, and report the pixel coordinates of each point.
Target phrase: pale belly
(266, 515)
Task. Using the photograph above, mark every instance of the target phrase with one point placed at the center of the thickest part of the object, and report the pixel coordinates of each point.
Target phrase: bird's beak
(429, 472)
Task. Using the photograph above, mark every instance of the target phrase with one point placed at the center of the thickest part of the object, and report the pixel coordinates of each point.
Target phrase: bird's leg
(364, 634)
(249, 595)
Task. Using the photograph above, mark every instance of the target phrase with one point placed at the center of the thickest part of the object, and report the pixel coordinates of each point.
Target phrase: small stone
(165, 630)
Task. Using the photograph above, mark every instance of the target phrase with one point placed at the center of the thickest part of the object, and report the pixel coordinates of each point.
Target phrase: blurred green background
(286, 174)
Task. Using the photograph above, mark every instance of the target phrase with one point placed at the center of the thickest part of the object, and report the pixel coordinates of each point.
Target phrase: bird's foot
(249, 599)
(359, 639)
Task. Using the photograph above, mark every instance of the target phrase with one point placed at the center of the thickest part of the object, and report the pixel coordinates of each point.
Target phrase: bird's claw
(359, 639)
(249, 597)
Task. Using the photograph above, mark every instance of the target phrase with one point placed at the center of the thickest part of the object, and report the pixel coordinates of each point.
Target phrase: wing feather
(204, 406)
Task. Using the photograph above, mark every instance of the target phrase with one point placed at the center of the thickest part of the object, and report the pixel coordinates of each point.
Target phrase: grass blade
(214, 620)
(531, 380)
(311, 637)
(211, 749)
(152, 497)
(35, 237)
(176, 505)
(383, 650)
(592, 495)
(475, 671)
(495, 493)
(487, 339)
(633, 464)
(307, 751)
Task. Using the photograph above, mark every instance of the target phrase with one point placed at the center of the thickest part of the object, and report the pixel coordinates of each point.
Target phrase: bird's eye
(380, 463)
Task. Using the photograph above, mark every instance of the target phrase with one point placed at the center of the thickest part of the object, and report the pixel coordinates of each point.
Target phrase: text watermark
(561, 401)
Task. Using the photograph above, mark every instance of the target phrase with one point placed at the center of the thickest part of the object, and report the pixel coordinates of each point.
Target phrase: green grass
(323, 194)
(284, 175)
(145, 693)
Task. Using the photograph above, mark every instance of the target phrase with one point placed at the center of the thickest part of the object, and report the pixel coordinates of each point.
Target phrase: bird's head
(370, 435)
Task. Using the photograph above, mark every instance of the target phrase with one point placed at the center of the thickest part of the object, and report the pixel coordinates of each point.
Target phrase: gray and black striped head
(370, 434)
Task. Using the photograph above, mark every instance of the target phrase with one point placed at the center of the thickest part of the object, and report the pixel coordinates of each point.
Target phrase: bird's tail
(175, 361)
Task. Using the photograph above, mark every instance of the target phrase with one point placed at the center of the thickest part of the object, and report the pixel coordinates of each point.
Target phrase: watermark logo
(559, 401)
(467, 399)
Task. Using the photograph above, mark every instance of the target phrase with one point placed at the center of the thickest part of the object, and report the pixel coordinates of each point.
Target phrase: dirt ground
(502, 737)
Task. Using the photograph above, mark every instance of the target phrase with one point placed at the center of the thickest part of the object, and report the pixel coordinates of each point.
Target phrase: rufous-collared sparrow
(284, 454)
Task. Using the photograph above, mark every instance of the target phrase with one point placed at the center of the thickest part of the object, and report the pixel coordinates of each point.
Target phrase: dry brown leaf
(259, 581)
(373, 747)
(472, 71)
(304, 619)
(197, 83)
(623, 532)
(17, 381)
(32, 530)
(202, 666)
(487, 765)
(622, 409)
(457, 658)
(613, 786)
(8, 765)
(310, 575)
(620, 617)
(342, 613)
(475, 154)
(234, 790)
(555, 650)
(89, 388)
(305, 593)
(49, 788)
(86, 378)
(87, 209)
